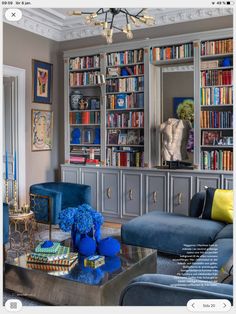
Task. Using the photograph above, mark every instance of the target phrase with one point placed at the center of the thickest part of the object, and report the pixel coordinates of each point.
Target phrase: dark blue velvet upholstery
(62, 195)
(196, 204)
(5, 223)
(167, 290)
(226, 232)
(169, 232)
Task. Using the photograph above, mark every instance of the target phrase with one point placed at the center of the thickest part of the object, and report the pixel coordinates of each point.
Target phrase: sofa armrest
(165, 290)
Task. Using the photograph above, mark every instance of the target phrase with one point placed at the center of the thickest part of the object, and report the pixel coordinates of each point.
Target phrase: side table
(21, 233)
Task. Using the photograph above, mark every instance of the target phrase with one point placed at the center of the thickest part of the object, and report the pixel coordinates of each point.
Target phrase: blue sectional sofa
(173, 234)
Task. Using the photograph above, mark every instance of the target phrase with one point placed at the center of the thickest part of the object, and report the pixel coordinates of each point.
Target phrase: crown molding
(58, 26)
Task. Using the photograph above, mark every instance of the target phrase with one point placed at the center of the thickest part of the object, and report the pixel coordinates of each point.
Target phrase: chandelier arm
(120, 29)
(112, 19)
(140, 12)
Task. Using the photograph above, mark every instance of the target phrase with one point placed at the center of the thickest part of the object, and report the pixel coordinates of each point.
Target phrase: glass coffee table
(81, 286)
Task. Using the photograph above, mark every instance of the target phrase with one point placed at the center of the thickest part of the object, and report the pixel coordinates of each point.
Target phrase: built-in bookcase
(179, 52)
(84, 121)
(216, 99)
(125, 108)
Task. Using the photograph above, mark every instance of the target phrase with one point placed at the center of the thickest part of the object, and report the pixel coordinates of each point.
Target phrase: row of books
(125, 57)
(125, 101)
(216, 138)
(137, 69)
(86, 136)
(55, 258)
(216, 77)
(122, 120)
(209, 64)
(124, 158)
(216, 119)
(85, 117)
(217, 160)
(129, 137)
(86, 78)
(172, 52)
(213, 47)
(87, 62)
(217, 95)
(89, 152)
(131, 84)
(81, 160)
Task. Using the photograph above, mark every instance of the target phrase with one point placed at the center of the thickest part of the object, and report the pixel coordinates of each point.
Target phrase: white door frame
(21, 154)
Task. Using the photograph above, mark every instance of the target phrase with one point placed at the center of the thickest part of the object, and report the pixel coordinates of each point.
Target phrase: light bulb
(104, 31)
(150, 22)
(109, 36)
(93, 15)
(88, 19)
(142, 19)
(135, 21)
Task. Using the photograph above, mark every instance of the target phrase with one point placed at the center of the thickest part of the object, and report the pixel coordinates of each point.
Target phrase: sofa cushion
(169, 232)
(225, 233)
(218, 205)
(225, 274)
(203, 266)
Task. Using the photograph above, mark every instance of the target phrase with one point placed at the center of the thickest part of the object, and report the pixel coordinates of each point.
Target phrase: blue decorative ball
(108, 247)
(226, 62)
(46, 244)
(112, 264)
(87, 246)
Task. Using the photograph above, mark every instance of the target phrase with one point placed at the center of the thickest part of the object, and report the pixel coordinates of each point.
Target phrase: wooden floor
(112, 225)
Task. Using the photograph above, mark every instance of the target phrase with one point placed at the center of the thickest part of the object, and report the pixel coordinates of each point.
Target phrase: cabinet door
(70, 174)
(181, 192)
(110, 193)
(90, 177)
(155, 193)
(132, 194)
(208, 180)
(228, 183)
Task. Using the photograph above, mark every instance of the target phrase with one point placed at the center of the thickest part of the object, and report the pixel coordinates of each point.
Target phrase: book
(133, 137)
(210, 137)
(53, 249)
(62, 253)
(113, 137)
(121, 102)
(67, 261)
(122, 138)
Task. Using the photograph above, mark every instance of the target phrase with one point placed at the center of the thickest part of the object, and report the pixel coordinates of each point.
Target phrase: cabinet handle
(180, 198)
(109, 191)
(131, 197)
(155, 197)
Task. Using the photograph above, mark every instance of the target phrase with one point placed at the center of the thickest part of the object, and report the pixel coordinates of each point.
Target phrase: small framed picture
(42, 81)
(121, 101)
(122, 139)
(42, 130)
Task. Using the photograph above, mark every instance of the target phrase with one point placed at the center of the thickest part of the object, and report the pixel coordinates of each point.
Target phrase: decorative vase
(75, 236)
(75, 98)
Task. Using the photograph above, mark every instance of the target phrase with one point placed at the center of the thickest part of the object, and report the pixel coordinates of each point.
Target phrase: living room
(118, 156)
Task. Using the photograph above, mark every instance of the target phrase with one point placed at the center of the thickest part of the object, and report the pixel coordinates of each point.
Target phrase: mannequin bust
(175, 136)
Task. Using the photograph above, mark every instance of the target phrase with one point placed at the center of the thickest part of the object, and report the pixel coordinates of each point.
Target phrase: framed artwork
(42, 81)
(42, 129)
(178, 101)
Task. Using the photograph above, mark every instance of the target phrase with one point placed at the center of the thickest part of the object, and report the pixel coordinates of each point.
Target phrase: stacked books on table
(56, 258)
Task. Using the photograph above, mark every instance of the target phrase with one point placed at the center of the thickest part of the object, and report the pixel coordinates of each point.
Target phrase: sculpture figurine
(175, 136)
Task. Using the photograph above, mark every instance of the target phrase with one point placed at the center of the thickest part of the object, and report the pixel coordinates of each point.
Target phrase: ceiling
(56, 23)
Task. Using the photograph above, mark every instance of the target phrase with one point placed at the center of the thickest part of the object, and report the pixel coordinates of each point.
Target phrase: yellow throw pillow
(218, 205)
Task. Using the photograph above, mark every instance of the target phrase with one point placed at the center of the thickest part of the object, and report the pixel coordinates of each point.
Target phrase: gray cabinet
(156, 192)
(70, 174)
(122, 194)
(110, 193)
(91, 177)
(131, 194)
(181, 192)
(202, 181)
(228, 182)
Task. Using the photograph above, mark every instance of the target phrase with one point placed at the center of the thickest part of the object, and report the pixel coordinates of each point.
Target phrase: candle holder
(15, 204)
(6, 181)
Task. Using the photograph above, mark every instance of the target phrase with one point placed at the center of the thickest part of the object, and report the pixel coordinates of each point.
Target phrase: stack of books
(55, 258)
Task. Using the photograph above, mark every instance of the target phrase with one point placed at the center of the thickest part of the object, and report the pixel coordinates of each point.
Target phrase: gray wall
(19, 48)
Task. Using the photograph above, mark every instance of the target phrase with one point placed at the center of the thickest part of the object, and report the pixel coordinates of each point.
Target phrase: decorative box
(94, 261)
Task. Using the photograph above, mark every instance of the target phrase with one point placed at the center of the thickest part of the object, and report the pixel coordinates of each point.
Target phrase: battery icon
(230, 2)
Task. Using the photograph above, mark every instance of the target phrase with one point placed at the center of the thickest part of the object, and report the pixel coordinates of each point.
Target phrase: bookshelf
(84, 110)
(216, 100)
(125, 108)
(178, 53)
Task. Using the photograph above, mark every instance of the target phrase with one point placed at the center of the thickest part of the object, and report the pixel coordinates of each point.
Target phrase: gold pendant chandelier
(109, 15)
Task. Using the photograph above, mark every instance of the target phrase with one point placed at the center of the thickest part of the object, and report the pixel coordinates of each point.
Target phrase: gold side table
(21, 233)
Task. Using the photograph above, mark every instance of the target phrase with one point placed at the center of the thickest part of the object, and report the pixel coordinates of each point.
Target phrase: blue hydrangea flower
(66, 218)
(83, 220)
